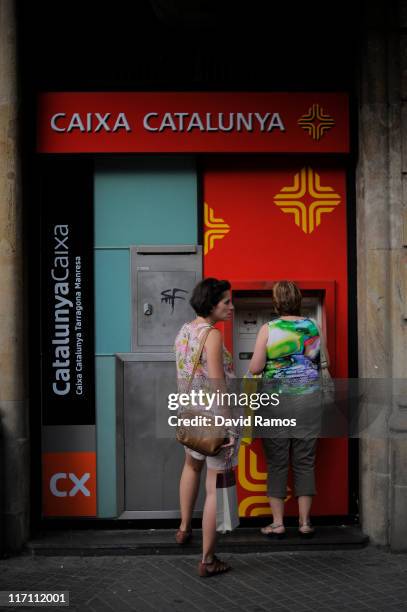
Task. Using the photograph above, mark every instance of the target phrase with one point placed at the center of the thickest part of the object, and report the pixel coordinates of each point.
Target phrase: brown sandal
(215, 567)
(270, 532)
(306, 530)
(183, 537)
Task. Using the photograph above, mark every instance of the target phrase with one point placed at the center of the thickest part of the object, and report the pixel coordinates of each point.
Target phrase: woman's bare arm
(214, 355)
(216, 373)
(258, 360)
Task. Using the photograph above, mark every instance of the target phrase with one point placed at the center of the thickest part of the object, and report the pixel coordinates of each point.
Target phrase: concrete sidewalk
(365, 579)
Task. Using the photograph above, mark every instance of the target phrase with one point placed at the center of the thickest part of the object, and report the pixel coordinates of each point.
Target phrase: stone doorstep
(161, 542)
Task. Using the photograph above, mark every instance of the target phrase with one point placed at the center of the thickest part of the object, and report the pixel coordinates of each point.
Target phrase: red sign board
(194, 122)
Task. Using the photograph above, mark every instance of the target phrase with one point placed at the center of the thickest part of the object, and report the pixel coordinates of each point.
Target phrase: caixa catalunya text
(66, 284)
(173, 122)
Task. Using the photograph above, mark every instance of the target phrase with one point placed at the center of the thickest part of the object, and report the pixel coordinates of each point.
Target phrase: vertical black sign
(68, 395)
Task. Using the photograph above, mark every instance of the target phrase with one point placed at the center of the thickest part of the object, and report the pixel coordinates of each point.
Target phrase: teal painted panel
(112, 301)
(138, 200)
(106, 436)
(145, 200)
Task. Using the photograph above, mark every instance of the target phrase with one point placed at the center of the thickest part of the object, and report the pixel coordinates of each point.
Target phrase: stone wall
(382, 256)
(14, 451)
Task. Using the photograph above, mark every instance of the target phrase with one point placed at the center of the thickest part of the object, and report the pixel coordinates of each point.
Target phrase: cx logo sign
(78, 484)
(69, 484)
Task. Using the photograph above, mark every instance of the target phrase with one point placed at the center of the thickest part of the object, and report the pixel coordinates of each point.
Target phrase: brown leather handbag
(196, 426)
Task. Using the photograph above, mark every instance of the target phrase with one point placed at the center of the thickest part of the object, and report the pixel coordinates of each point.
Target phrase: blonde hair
(287, 298)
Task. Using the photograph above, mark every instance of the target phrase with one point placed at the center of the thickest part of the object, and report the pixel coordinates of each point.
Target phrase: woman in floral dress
(211, 300)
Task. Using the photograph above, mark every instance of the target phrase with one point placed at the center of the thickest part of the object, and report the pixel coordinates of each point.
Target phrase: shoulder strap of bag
(198, 356)
(322, 348)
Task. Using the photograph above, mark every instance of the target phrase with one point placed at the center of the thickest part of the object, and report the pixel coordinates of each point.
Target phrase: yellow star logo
(316, 122)
(253, 480)
(307, 200)
(216, 229)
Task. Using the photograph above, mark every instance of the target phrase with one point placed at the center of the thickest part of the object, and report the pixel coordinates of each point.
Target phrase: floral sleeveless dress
(186, 347)
(286, 361)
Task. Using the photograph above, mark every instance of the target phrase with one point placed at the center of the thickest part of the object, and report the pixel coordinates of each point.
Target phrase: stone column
(398, 201)
(14, 452)
(381, 297)
(373, 262)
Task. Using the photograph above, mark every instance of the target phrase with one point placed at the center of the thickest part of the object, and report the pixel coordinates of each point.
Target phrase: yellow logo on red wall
(253, 482)
(316, 122)
(307, 200)
(215, 229)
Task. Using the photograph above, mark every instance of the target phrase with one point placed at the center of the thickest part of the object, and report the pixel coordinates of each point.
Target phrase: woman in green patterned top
(287, 352)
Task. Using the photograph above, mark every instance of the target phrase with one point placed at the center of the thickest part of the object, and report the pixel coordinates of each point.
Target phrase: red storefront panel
(266, 221)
